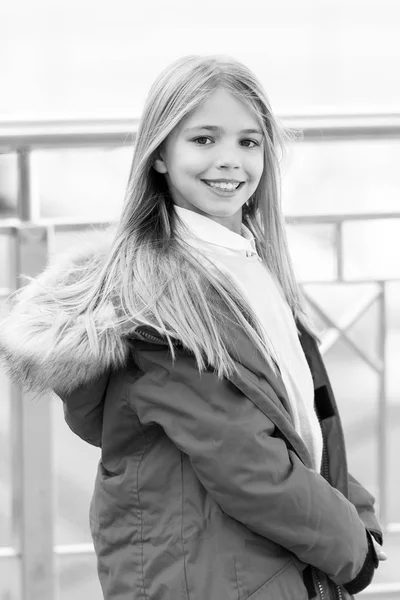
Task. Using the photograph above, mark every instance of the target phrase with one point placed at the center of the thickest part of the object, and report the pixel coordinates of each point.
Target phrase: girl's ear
(158, 162)
(159, 165)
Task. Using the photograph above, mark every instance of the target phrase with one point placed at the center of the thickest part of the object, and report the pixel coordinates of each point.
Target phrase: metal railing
(32, 487)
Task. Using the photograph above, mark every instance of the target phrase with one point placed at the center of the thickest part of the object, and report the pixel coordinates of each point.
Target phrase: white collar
(206, 230)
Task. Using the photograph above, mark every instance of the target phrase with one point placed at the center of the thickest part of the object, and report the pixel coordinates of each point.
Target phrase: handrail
(64, 133)
(70, 224)
(16, 134)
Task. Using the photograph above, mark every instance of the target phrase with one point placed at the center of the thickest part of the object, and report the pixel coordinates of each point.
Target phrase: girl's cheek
(188, 159)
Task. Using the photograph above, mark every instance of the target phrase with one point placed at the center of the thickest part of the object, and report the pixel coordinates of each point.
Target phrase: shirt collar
(203, 229)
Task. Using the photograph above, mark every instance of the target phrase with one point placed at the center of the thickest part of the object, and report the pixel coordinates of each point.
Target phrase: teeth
(224, 186)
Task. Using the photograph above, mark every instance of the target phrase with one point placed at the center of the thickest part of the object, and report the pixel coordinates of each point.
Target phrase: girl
(180, 345)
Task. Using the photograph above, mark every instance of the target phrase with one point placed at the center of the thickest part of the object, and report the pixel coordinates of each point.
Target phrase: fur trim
(28, 350)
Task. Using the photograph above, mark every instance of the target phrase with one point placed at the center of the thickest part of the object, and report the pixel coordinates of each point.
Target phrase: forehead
(224, 110)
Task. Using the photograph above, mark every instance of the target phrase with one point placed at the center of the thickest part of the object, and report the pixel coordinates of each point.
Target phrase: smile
(223, 187)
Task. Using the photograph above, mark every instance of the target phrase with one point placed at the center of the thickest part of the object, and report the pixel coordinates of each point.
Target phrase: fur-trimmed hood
(28, 350)
(39, 361)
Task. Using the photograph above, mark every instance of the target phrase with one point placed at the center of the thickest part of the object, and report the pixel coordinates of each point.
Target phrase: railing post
(28, 201)
(32, 455)
(382, 410)
(339, 251)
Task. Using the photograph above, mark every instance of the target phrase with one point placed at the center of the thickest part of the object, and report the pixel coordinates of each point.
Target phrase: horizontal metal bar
(338, 218)
(11, 226)
(65, 227)
(60, 549)
(8, 552)
(74, 549)
(67, 133)
(348, 281)
(392, 528)
(386, 591)
(344, 127)
(7, 225)
(122, 131)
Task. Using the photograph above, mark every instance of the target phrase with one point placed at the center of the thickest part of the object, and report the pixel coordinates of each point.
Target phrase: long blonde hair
(149, 275)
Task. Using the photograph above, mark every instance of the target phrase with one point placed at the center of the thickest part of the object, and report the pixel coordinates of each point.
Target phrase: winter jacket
(204, 490)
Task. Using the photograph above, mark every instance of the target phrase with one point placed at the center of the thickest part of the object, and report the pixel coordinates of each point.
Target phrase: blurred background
(73, 78)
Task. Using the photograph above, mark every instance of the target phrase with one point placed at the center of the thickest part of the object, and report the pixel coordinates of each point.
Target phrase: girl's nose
(229, 161)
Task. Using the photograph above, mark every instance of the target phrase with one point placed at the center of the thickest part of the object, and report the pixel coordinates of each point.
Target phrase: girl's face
(194, 154)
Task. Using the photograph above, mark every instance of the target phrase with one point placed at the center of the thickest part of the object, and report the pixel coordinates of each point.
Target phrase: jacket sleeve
(252, 474)
(364, 503)
(83, 410)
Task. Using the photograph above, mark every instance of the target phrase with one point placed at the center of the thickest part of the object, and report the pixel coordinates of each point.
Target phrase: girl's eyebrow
(221, 129)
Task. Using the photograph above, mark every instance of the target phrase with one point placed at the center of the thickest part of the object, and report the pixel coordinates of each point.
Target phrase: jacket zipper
(152, 337)
(325, 474)
(319, 584)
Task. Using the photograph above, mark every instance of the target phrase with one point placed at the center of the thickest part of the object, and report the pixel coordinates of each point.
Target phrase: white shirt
(237, 255)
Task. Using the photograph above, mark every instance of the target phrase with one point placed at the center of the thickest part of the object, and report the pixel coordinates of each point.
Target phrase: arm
(364, 503)
(83, 410)
(252, 474)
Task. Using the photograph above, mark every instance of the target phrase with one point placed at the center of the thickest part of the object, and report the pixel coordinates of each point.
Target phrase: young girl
(180, 345)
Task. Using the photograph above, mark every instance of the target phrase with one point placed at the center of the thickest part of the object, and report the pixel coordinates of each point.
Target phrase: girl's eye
(207, 138)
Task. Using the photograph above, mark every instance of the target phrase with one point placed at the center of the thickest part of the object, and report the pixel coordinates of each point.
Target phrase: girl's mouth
(223, 191)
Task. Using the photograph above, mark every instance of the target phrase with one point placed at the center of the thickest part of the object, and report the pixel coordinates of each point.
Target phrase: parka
(204, 489)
